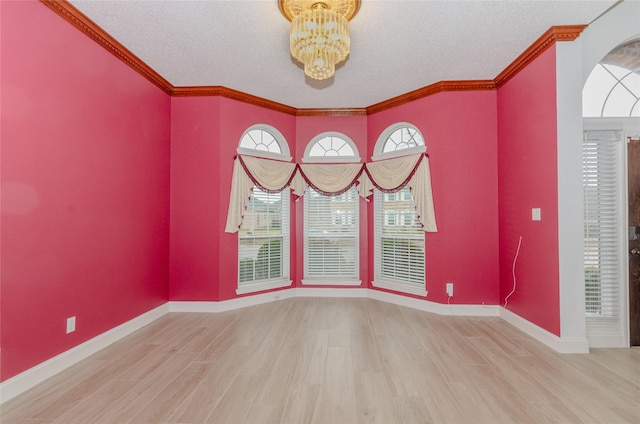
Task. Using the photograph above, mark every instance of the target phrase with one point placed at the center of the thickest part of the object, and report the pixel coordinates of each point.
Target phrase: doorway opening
(611, 184)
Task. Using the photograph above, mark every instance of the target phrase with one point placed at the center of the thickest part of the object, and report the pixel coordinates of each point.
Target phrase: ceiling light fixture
(319, 35)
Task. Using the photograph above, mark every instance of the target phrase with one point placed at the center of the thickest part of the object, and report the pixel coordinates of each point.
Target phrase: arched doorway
(611, 184)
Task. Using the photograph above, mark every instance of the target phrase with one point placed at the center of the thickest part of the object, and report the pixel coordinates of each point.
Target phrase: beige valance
(331, 179)
(389, 175)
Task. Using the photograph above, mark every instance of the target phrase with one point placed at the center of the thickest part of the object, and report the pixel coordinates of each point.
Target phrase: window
(264, 141)
(611, 91)
(399, 252)
(331, 236)
(331, 147)
(331, 223)
(399, 239)
(263, 239)
(603, 241)
(613, 87)
(400, 139)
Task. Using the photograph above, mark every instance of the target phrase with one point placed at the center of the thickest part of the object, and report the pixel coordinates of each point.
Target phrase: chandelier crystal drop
(319, 36)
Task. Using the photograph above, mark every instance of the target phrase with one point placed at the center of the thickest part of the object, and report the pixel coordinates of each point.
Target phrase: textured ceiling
(396, 46)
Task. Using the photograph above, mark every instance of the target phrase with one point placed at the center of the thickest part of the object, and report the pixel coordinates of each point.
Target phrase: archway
(611, 111)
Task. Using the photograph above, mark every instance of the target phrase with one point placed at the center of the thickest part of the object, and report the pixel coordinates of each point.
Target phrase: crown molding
(229, 93)
(430, 90)
(332, 112)
(546, 40)
(79, 20)
(76, 18)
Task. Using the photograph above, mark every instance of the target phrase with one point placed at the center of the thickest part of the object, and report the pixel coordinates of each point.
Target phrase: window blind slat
(263, 238)
(331, 235)
(601, 225)
(399, 239)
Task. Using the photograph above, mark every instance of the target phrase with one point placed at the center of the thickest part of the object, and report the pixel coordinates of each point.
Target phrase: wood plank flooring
(319, 360)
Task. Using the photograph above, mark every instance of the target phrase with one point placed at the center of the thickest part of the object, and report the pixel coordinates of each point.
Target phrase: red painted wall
(85, 188)
(527, 178)
(97, 163)
(196, 205)
(460, 133)
(205, 134)
(460, 130)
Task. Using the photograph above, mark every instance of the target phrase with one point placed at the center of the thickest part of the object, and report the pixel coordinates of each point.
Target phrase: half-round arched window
(264, 141)
(331, 147)
(613, 87)
(399, 139)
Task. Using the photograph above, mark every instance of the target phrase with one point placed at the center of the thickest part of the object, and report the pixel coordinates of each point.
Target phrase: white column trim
(561, 345)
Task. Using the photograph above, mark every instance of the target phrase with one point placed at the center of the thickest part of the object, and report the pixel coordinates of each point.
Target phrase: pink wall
(97, 163)
(527, 178)
(460, 130)
(196, 205)
(204, 137)
(460, 133)
(85, 188)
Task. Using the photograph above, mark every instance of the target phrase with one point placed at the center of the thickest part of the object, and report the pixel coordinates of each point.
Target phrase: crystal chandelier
(319, 36)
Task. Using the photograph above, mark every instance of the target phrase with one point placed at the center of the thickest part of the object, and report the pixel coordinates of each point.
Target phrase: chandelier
(319, 35)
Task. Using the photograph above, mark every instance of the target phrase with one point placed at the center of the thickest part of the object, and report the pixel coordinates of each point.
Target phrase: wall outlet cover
(450, 289)
(71, 325)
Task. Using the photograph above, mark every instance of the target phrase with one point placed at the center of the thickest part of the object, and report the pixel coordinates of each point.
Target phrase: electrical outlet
(450, 289)
(71, 325)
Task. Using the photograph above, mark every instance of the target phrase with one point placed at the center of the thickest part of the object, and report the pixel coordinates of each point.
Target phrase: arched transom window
(399, 140)
(613, 87)
(331, 147)
(264, 141)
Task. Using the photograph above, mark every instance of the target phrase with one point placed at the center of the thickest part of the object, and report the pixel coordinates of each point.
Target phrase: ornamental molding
(76, 18)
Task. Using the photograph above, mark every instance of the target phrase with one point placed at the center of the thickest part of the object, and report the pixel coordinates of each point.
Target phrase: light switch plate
(71, 325)
(535, 214)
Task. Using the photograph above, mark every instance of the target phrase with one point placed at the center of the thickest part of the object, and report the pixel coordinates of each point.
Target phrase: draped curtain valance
(389, 176)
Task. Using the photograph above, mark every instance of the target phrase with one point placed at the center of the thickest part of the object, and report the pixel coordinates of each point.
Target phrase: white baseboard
(433, 307)
(231, 304)
(330, 292)
(33, 376)
(551, 340)
(36, 375)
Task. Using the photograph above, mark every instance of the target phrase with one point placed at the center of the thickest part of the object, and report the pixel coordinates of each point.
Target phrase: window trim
(271, 283)
(262, 285)
(379, 281)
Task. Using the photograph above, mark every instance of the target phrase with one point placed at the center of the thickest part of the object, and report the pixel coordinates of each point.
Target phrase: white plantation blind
(331, 235)
(263, 244)
(399, 242)
(602, 223)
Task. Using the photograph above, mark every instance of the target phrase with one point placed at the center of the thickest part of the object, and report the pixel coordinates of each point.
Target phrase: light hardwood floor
(319, 360)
